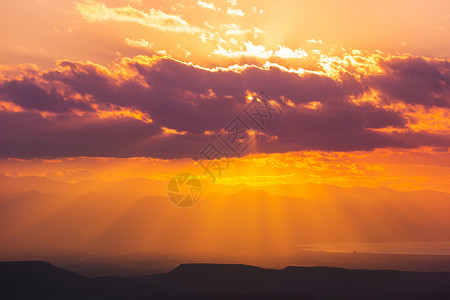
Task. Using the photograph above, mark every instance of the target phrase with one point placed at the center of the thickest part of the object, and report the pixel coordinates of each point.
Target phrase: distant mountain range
(41, 280)
(42, 215)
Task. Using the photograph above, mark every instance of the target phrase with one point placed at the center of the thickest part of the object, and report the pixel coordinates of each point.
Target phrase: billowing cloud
(284, 52)
(234, 29)
(259, 51)
(165, 108)
(313, 41)
(206, 5)
(415, 80)
(93, 11)
(235, 12)
(142, 43)
(28, 95)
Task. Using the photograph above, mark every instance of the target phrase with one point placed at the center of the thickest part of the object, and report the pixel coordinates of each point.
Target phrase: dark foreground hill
(41, 280)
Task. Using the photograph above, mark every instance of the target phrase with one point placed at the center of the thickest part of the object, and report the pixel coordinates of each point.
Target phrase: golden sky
(97, 89)
(103, 102)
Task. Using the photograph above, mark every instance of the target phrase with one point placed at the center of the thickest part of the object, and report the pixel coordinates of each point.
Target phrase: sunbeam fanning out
(138, 135)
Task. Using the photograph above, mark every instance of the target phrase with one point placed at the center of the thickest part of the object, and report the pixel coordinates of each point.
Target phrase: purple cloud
(193, 100)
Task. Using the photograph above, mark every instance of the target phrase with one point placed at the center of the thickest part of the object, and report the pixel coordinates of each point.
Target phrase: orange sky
(103, 102)
(356, 61)
(41, 31)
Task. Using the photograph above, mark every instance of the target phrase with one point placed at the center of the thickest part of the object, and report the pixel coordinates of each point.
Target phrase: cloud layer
(165, 108)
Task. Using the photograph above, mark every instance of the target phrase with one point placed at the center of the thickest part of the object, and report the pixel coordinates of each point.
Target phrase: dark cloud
(414, 80)
(27, 94)
(191, 99)
(28, 134)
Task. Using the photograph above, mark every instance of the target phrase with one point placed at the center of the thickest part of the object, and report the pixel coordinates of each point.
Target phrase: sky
(110, 90)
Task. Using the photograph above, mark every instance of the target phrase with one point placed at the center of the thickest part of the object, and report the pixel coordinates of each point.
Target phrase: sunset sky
(305, 122)
(108, 90)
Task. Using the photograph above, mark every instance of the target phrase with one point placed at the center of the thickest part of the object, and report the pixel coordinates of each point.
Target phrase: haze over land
(272, 226)
(324, 126)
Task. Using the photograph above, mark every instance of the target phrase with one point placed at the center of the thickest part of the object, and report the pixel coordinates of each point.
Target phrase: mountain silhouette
(41, 280)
